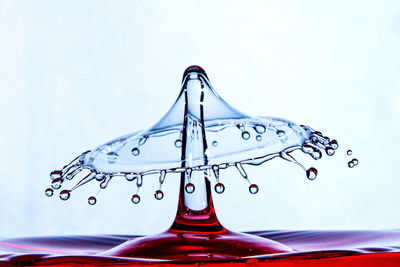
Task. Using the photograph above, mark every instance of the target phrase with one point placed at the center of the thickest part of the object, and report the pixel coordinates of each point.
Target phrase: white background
(75, 74)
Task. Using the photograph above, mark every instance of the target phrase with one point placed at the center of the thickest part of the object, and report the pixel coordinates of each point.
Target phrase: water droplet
(246, 135)
(92, 200)
(189, 188)
(135, 151)
(219, 188)
(258, 137)
(105, 182)
(355, 161)
(307, 149)
(178, 143)
(162, 176)
(260, 129)
(142, 140)
(242, 172)
(349, 152)
(215, 143)
(334, 144)
(135, 199)
(99, 177)
(253, 188)
(329, 151)
(139, 181)
(130, 177)
(112, 157)
(350, 164)
(55, 174)
(316, 154)
(280, 133)
(48, 192)
(312, 173)
(159, 194)
(65, 194)
(56, 183)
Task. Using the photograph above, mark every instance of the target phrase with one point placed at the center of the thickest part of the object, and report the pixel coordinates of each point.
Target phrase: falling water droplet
(349, 152)
(92, 200)
(215, 143)
(135, 199)
(48, 192)
(189, 188)
(135, 151)
(258, 137)
(312, 173)
(280, 133)
(219, 188)
(334, 144)
(246, 135)
(178, 143)
(130, 177)
(55, 174)
(355, 161)
(350, 164)
(65, 194)
(253, 188)
(329, 151)
(159, 194)
(99, 177)
(112, 157)
(56, 183)
(139, 181)
(260, 129)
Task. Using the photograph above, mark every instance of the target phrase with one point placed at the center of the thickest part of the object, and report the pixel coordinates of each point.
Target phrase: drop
(355, 161)
(260, 129)
(135, 199)
(143, 140)
(312, 173)
(105, 182)
(334, 144)
(178, 143)
(350, 164)
(162, 176)
(159, 194)
(246, 135)
(215, 143)
(48, 192)
(65, 194)
(219, 188)
(329, 151)
(349, 152)
(55, 174)
(92, 200)
(253, 188)
(56, 183)
(280, 133)
(189, 188)
(99, 177)
(258, 137)
(130, 177)
(112, 157)
(135, 151)
(316, 154)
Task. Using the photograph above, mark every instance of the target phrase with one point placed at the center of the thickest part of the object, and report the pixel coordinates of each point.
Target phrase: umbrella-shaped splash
(199, 136)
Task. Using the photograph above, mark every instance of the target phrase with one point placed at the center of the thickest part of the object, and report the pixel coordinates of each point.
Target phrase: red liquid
(322, 248)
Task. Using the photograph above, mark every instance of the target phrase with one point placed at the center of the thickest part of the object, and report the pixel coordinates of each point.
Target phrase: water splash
(145, 153)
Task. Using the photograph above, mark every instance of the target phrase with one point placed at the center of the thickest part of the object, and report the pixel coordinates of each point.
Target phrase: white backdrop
(75, 74)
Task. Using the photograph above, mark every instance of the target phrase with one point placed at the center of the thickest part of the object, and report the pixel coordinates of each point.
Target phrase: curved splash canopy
(199, 132)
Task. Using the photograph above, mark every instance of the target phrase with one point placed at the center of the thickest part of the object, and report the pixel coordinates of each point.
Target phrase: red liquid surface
(310, 248)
